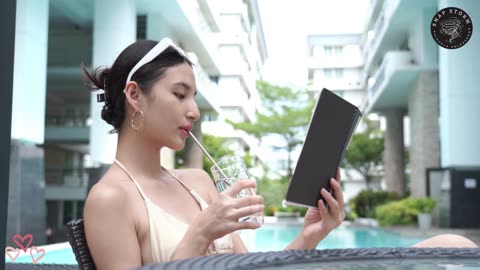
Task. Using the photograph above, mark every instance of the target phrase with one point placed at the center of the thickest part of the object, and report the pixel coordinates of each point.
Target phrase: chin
(177, 146)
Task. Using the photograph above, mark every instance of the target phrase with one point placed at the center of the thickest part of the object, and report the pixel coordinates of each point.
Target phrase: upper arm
(110, 230)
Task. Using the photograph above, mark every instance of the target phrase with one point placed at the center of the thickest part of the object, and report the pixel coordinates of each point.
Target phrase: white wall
(30, 69)
(460, 96)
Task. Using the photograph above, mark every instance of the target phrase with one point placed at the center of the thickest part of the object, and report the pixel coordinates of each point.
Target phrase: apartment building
(60, 146)
(335, 62)
(407, 75)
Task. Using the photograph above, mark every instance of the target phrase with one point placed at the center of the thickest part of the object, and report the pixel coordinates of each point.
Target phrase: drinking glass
(226, 173)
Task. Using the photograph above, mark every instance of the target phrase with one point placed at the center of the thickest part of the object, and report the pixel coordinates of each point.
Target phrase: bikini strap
(201, 202)
(131, 177)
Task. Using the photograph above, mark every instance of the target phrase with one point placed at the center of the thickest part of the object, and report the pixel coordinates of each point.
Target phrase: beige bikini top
(166, 231)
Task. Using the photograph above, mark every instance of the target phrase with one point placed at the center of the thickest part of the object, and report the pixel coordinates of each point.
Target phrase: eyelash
(179, 96)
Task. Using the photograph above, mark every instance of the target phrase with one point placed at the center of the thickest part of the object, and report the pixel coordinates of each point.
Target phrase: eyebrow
(186, 86)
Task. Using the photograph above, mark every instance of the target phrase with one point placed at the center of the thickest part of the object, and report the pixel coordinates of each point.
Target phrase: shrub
(425, 205)
(403, 212)
(270, 209)
(291, 209)
(364, 204)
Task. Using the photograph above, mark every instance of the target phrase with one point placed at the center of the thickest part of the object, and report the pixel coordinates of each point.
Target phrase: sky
(286, 24)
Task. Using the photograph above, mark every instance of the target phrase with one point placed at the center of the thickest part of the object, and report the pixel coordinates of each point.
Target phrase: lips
(185, 130)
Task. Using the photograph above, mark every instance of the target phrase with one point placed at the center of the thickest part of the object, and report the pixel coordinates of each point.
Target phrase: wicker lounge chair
(76, 238)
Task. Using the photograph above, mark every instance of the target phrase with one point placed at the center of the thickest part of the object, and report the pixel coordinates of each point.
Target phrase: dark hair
(113, 80)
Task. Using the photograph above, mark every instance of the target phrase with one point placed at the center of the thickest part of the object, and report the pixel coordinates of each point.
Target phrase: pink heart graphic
(9, 250)
(37, 251)
(22, 239)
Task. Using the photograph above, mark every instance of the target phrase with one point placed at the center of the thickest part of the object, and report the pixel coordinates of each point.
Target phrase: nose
(194, 113)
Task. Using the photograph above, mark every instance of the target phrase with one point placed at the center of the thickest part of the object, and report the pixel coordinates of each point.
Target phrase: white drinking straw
(208, 155)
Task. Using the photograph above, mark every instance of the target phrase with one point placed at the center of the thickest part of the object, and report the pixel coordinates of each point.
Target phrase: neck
(138, 155)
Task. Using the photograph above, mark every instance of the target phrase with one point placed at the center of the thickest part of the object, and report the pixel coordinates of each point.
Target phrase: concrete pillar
(460, 95)
(394, 155)
(30, 71)
(193, 153)
(425, 140)
(26, 201)
(167, 158)
(114, 28)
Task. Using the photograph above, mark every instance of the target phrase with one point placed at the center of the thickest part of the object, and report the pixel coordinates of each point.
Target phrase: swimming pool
(267, 238)
(276, 237)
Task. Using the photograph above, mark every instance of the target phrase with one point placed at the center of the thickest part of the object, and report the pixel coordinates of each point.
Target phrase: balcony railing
(392, 61)
(194, 12)
(66, 177)
(206, 86)
(379, 29)
(379, 79)
(68, 121)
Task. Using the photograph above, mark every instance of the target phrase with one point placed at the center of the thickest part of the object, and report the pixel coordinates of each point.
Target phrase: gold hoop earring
(132, 121)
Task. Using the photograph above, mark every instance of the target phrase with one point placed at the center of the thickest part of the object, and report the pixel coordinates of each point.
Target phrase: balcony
(391, 29)
(191, 26)
(207, 89)
(235, 7)
(66, 184)
(209, 13)
(67, 129)
(236, 92)
(391, 82)
(372, 14)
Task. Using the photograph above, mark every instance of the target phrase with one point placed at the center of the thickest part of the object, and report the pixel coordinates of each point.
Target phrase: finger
(233, 190)
(332, 203)
(338, 175)
(248, 201)
(248, 210)
(322, 209)
(337, 191)
(246, 225)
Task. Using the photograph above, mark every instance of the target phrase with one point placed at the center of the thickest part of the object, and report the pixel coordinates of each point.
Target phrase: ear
(133, 95)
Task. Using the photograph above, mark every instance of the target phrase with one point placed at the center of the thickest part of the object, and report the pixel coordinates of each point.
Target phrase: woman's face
(170, 108)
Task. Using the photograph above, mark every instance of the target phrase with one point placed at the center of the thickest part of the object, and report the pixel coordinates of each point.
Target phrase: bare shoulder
(106, 196)
(110, 226)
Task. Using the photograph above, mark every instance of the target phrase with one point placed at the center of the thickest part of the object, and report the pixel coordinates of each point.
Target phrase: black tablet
(332, 125)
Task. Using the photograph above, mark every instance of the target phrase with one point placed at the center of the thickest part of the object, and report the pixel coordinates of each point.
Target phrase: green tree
(286, 113)
(365, 152)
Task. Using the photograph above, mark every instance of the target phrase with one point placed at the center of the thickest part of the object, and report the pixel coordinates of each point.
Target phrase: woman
(140, 213)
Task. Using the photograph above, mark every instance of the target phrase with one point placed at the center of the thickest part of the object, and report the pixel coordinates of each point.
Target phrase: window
(339, 73)
(333, 51)
(327, 73)
(327, 51)
(338, 51)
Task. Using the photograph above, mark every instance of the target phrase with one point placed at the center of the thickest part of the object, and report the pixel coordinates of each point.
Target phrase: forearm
(300, 242)
(193, 244)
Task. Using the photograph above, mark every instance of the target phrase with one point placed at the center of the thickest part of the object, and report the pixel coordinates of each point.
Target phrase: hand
(223, 214)
(319, 222)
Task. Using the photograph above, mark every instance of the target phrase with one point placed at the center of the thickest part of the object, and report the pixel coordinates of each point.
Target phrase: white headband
(154, 52)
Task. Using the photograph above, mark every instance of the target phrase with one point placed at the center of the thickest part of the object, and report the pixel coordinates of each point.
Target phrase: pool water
(271, 238)
(59, 256)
